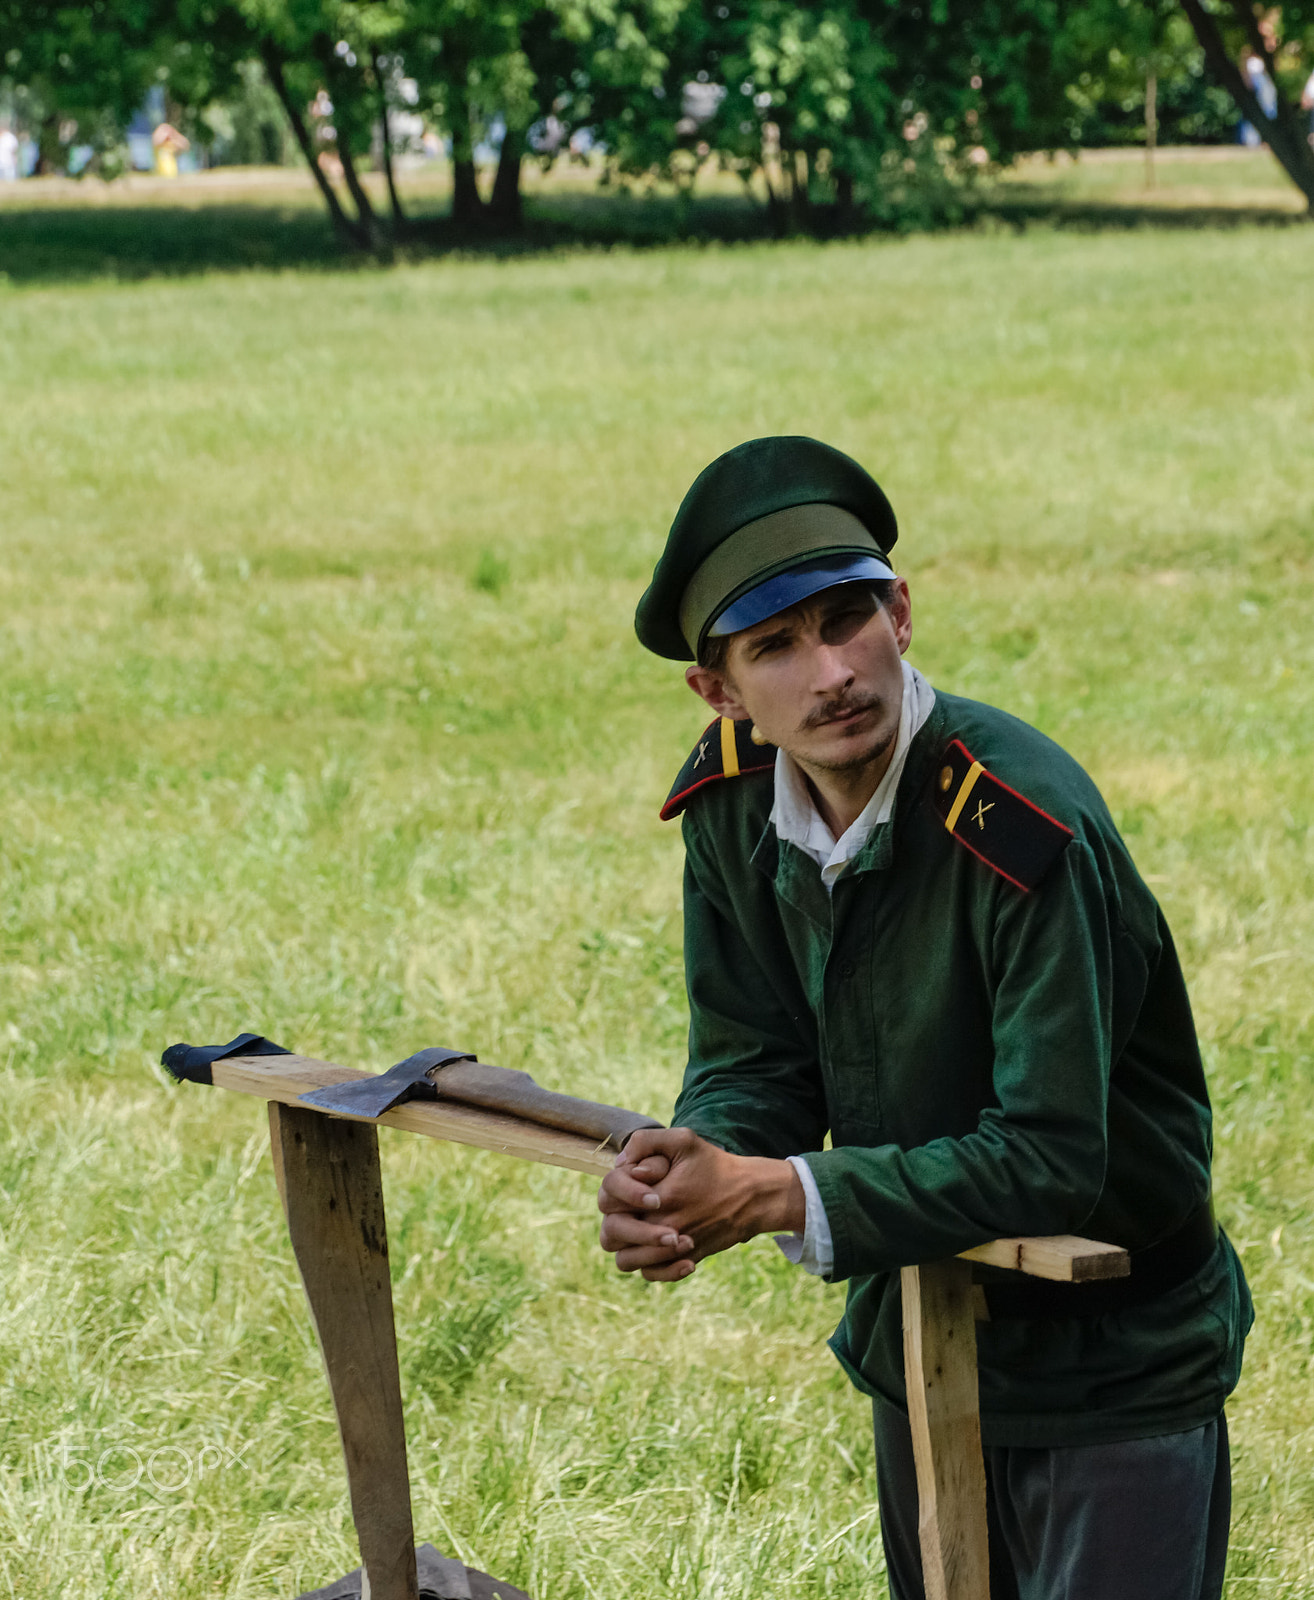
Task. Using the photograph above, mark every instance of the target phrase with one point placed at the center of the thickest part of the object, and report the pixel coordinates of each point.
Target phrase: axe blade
(371, 1097)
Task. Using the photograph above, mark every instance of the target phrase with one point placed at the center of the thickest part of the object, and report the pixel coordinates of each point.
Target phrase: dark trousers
(1144, 1520)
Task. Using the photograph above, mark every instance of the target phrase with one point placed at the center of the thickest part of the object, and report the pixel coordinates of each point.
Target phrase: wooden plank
(328, 1175)
(939, 1352)
(1062, 1257)
(286, 1078)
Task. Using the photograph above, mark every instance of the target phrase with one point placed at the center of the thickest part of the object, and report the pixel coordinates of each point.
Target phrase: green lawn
(1217, 177)
(322, 715)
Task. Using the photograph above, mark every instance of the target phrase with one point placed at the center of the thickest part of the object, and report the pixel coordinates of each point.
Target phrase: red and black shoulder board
(997, 824)
(725, 749)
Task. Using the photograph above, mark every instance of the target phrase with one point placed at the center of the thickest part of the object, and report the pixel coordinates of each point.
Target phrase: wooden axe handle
(479, 1083)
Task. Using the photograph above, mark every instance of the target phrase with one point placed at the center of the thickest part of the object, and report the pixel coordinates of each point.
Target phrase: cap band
(751, 552)
(794, 585)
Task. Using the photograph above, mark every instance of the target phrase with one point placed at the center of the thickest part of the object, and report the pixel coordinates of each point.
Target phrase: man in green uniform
(911, 925)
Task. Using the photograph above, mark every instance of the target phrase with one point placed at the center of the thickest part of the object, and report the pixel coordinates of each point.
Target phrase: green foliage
(856, 107)
(90, 65)
(880, 103)
(328, 44)
(1289, 33)
(469, 65)
(85, 65)
(1117, 46)
(247, 127)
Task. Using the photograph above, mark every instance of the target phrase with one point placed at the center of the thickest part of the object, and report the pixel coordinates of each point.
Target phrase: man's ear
(714, 687)
(900, 609)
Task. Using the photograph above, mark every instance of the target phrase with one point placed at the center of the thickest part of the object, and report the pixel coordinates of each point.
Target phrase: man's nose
(831, 671)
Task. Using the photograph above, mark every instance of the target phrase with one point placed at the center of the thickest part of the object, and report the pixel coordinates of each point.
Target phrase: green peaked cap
(756, 480)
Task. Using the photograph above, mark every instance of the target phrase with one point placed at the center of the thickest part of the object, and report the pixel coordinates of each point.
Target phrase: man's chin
(835, 748)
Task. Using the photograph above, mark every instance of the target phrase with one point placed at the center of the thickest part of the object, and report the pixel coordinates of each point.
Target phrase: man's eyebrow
(760, 639)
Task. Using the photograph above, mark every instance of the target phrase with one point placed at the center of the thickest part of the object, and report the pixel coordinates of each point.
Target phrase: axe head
(439, 1578)
(371, 1097)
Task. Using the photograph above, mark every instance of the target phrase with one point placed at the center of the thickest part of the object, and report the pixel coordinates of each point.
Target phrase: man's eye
(769, 647)
(845, 622)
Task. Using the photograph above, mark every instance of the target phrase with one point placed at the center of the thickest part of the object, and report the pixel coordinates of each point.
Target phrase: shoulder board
(997, 824)
(725, 749)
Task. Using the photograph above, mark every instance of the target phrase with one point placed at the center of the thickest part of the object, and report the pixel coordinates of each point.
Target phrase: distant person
(168, 144)
(9, 153)
(1255, 72)
(326, 136)
(1307, 104)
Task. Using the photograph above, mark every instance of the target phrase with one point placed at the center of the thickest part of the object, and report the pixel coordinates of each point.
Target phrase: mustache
(833, 710)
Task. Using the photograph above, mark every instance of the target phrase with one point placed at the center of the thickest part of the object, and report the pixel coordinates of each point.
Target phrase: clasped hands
(672, 1199)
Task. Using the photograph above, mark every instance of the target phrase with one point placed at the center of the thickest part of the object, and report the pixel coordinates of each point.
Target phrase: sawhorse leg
(939, 1353)
(328, 1175)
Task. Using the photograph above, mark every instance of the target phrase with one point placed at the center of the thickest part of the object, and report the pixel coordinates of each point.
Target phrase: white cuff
(813, 1249)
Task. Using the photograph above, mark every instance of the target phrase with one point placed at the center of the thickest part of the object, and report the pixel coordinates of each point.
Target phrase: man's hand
(673, 1198)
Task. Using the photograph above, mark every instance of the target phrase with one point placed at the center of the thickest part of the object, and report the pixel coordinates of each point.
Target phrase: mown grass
(1181, 174)
(323, 717)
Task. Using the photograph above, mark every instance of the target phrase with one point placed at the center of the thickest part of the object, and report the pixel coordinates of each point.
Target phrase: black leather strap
(1154, 1271)
(191, 1063)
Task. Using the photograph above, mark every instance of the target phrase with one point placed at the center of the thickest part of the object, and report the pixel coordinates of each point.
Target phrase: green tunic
(987, 1061)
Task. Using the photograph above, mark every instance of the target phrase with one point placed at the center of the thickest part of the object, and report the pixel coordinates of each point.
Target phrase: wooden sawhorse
(327, 1169)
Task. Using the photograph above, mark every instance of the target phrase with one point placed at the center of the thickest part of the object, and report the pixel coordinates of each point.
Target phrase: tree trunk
(345, 228)
(364, 209)
(1283, 133)
(844, 195)
(47, 143)
(467, 203)
(399, 217)
(800, 184)
(777, 212)
(1151, 126)
(504, 208)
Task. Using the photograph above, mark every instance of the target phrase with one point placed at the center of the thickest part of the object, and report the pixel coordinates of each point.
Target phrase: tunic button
(846, 969)
(946, 778)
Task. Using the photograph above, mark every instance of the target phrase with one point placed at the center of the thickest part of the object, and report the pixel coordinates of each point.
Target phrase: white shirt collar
(794, 814)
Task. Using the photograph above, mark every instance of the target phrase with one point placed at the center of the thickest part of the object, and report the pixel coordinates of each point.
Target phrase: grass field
(1217, 176)
(322, 716)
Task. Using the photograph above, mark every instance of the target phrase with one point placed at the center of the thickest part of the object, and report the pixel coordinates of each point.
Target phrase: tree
(85, 68)
(324, 54)
(882, 107)
(1139, 72)
(866, 104)
(1283, 39)
(88, 67)
(811, 85)
(466, 59)
(474, 70)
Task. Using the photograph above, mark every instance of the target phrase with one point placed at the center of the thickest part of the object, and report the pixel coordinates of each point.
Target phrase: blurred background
(353, 361)
(413, 124)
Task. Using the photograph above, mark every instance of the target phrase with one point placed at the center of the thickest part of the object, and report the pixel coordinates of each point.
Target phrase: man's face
(822, 680)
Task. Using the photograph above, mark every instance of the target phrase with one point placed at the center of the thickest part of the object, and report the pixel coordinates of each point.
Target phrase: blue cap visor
(799, 583)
